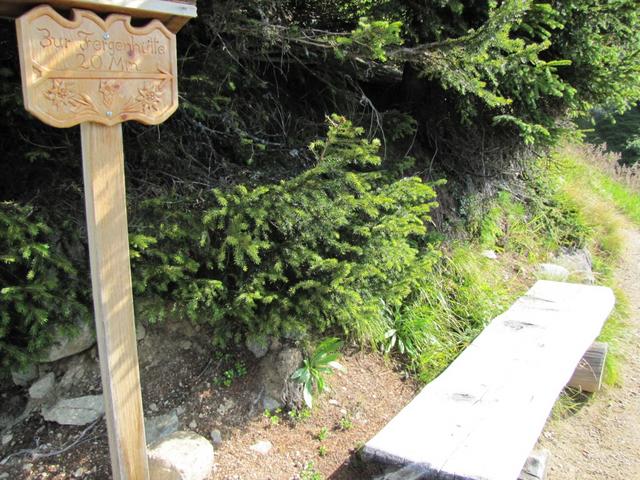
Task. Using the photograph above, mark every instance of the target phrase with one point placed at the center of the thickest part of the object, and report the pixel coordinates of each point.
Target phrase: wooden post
(103, 165)
(99, 72)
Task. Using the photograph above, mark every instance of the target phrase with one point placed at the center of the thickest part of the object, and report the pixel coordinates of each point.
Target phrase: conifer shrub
(315, 252)
(39, 287)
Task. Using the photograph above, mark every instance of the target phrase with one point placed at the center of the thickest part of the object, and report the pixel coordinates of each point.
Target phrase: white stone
(154, 407)
(490, 254)
(216, 437)
(258, 345)
(161, 426)
(262, 447)
(64, 346)
(551, 271)
(579, 264)
(193, 425)
(141, 331)
(43, 387)
(226, 405)
(6, 439)
(76, 411)
(22, 378)
(181, 456)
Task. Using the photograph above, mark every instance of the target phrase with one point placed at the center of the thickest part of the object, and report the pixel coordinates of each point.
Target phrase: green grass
(564, 202)
(600, 200)
(610, 190)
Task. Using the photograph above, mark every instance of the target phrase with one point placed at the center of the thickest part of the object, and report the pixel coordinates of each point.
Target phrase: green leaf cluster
(312, 374)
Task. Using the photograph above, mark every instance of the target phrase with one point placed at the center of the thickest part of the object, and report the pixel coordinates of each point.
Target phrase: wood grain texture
(103, 162)
(174, 14)
(480, 419)
(590, 370)
(92, 70)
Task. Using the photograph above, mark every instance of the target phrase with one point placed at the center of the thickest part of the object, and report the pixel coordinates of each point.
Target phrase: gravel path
(602, 440)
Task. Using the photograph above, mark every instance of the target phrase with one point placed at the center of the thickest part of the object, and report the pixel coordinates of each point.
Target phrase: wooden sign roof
(173, 13)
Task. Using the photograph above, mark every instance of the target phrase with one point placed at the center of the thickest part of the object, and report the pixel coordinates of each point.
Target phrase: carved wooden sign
(92, 70)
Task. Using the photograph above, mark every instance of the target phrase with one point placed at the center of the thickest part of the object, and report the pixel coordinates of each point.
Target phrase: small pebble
(6, 439)
(154, 407)
(193, 425)
(262, 447)
(216, 437)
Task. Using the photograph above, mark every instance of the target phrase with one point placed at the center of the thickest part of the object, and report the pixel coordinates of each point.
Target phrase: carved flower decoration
(149, 97)
(59, 94)
(109, 89)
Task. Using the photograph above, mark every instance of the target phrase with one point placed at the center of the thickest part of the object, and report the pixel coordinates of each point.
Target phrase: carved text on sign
(90, 69)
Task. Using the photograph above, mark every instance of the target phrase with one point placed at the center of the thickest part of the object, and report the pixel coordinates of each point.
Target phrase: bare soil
(179, 370)
(602, 440)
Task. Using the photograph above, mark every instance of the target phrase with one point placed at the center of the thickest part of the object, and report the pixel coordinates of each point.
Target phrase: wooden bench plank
(483, 415)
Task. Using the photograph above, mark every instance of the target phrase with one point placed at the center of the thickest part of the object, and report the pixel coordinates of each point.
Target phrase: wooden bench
(480, 419)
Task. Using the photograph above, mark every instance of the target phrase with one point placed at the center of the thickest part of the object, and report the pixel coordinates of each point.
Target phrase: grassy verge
(589, 182)
(567, 201)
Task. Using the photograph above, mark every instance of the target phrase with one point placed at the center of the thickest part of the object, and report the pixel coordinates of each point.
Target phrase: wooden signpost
(99, 73)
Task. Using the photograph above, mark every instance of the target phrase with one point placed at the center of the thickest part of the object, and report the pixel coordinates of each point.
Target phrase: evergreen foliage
(247, 214)
(316, 251)
(38, 286)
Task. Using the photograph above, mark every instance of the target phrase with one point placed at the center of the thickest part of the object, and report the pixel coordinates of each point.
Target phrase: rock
(270, 403)
(578, 263)
(226, 405)
(193, 425)
(43, 387)
(73, 375)
(161, 426)
(81, 373)
(4, 475)
(262, 447)
(6, 439)
(24, 377)
(79, 472)
(551, 271)
(153, 407)
(141, 331)
(181, 456)
(258, 345)
(64, 346)
(216, 437)
(490, 254)
(186, 345)
(277, 389)
(76, 411)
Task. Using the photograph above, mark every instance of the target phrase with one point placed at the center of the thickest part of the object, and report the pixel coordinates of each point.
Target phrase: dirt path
(602, 441)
